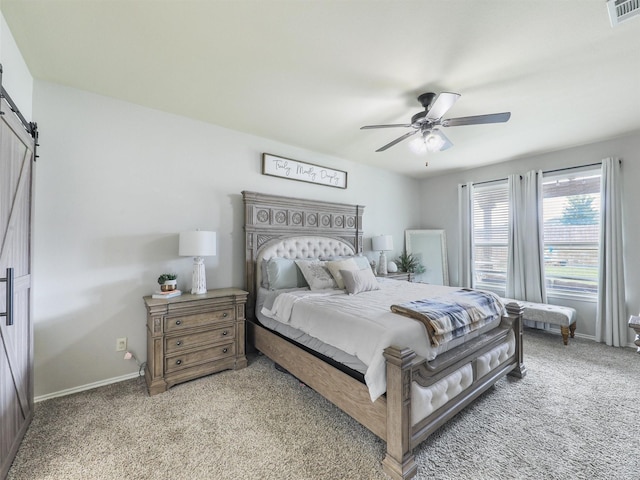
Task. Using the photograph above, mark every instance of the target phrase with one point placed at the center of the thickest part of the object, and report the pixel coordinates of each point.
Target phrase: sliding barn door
(16, 331)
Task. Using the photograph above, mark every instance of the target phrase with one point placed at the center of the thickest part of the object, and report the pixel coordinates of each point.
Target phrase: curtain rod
(572, 168)
(543, 172)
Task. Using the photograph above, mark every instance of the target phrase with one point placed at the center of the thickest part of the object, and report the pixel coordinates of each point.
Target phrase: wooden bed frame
(268, 217)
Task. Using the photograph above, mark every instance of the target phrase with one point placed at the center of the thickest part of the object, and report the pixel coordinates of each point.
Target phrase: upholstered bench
(564, 317)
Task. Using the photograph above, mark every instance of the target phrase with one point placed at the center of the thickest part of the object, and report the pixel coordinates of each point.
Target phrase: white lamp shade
(382, 243)
(198, 243)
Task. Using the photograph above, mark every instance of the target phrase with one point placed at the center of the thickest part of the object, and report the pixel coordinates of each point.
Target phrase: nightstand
(408, 276)
(194, 335)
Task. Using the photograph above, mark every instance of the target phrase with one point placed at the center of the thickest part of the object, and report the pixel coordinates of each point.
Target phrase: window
(571, 232)
(490, 236)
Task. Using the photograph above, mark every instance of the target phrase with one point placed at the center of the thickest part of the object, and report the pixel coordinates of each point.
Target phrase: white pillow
(336, 266)
(316, 274)
(358, 281)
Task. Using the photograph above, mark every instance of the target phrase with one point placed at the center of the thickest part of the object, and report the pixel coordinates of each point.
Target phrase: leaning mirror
(430, 248)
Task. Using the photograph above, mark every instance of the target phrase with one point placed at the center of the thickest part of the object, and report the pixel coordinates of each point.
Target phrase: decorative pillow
(362, 262)
(337, 265)
(358, 281)
(283, 273)
(316, 274)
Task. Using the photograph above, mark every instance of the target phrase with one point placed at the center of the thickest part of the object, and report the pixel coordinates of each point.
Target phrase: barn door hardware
(9, 291)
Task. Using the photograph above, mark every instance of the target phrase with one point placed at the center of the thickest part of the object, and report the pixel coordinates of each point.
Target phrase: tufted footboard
(422, 396)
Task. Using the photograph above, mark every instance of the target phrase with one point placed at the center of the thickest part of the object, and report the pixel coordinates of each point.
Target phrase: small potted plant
(167, 282)
(406, 262)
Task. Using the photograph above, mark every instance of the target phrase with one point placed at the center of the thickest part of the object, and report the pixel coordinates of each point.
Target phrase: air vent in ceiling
(622, 10)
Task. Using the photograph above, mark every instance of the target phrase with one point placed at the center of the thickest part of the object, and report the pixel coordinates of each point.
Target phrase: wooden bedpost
(516, 310)
(399, 462)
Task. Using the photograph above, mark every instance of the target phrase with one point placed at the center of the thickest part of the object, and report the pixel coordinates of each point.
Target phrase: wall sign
(304, 172)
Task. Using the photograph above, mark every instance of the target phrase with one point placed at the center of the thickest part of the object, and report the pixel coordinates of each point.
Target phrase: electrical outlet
(121, 344)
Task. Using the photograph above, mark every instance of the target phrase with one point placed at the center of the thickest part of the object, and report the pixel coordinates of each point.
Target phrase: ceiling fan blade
(397, 140)
(392, 125)
(442, 104)
(477, 119)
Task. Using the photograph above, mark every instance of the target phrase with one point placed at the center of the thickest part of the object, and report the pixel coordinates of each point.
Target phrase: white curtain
(611, 316)
(525, 263)
(465, 248)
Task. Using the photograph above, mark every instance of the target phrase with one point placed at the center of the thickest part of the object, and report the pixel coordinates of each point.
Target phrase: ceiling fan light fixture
(418, 145)
(433, 141)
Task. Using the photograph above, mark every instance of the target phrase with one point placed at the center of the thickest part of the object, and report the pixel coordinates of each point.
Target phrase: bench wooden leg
(565, 334)
(572, 329)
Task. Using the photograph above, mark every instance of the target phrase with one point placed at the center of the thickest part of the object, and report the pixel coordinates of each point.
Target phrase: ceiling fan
(431, 138)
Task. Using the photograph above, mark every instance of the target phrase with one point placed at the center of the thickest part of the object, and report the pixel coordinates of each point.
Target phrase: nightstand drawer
(173, 324)
(183, 342)
(188, 359)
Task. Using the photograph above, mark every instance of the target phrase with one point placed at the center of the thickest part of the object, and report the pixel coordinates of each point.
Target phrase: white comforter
(362, 325)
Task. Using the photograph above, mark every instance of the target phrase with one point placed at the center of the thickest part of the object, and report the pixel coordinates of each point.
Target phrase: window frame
(501, 286)
(576, 246)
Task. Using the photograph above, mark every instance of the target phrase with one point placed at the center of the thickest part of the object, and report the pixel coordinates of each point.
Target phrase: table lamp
(198, 244)
(382, 243)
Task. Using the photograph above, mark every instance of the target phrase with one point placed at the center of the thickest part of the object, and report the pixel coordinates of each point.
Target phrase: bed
(404, 387)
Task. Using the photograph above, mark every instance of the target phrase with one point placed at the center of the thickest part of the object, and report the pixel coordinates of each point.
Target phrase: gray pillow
(336, 266)
(283, 273)
(358, 281)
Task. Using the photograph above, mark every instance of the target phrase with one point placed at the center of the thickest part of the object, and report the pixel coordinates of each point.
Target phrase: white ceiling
(310, 73)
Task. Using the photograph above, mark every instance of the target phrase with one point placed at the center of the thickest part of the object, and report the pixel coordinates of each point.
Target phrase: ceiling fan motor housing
(426, 99)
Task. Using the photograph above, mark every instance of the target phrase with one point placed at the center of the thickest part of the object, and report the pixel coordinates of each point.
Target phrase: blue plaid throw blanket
(453, 315)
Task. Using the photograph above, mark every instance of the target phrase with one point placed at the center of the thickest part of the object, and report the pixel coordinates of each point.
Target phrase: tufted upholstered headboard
(296, 228)
(300, 248)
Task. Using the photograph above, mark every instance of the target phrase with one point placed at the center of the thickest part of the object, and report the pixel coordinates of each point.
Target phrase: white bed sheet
(363, 325)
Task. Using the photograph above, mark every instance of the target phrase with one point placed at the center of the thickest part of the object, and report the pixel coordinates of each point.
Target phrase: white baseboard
(88, 386)
(586, 337)
(555, 329)
(109, 381)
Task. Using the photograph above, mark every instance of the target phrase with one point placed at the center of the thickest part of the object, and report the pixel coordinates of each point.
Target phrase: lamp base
(382, 264)
(199, 278)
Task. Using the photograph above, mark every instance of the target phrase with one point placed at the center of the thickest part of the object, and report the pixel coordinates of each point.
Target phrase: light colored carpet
(574, 416)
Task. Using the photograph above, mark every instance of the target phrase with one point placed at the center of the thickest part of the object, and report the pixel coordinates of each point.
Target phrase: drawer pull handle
(178, 322)
(179, 342)
(225, 350)
(178, 362)
(224, 333)
(224, 314)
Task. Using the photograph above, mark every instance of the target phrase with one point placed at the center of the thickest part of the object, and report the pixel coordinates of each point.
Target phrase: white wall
(115, 184)
(16, 78)
(442, 190)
